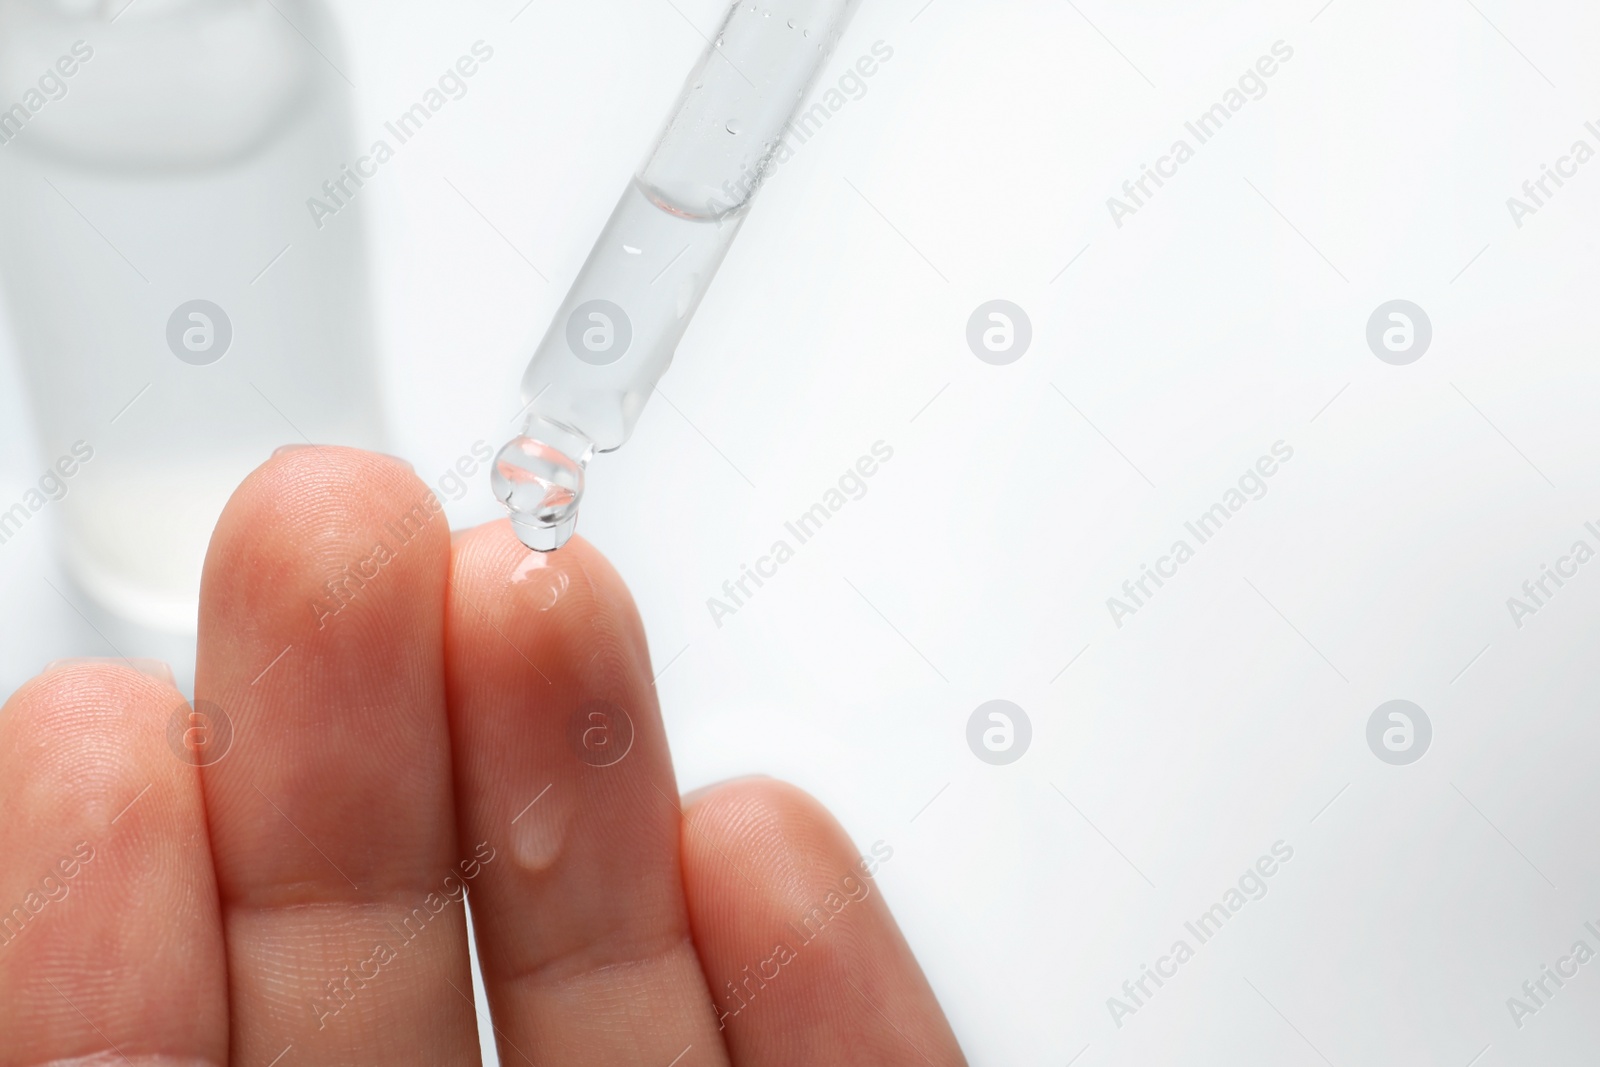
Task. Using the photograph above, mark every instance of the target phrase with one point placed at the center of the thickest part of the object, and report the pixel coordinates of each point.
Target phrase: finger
(562, 767)
(110, 942)
(321, 638)
(807, 963)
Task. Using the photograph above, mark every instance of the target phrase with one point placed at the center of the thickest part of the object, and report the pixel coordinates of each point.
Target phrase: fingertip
(491, 557)
(160, 670)
(317, 465)
(306, 531)
(567, 599)
(92, 732)
(77, 703)
(728, 794)
(770, 817)
(294, 478)
(798, 910)
(107, 875)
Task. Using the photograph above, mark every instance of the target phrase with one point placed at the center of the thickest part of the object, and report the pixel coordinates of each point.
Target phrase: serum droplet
(542, 487)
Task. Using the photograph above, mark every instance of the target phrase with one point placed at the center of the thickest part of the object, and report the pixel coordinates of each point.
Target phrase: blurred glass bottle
(177, 307)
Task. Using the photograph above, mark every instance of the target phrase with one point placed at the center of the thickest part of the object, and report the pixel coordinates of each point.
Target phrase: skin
(446, 722)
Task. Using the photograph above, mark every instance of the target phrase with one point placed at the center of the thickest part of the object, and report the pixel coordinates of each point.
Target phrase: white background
(1228, 314)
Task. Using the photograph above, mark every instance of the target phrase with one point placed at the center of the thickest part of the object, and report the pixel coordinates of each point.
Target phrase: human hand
(388, 719)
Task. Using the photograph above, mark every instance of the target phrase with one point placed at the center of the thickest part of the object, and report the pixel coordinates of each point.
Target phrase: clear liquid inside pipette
(615, 333)
(601, 358)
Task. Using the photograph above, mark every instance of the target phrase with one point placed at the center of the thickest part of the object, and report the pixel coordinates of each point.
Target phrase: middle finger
(331, 821)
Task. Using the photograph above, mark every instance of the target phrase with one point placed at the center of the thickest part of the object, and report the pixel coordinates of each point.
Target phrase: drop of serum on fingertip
(549, 583)
(538, 836)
